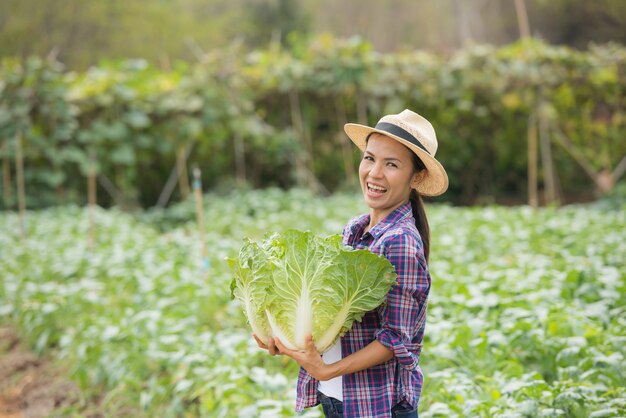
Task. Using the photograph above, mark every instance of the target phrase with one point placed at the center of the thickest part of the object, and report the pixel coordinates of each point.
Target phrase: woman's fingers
(276, 347)
(272, 347)
(259, 342)
(282, 348)
(309, 343)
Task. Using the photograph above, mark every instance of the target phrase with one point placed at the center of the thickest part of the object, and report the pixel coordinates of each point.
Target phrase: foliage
(526, 312)
(33, 104)
(274, 117)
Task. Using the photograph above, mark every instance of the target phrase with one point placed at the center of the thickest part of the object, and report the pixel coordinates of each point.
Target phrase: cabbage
(296, 283)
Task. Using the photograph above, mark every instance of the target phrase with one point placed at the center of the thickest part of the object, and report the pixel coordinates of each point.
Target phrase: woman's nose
(376, 170)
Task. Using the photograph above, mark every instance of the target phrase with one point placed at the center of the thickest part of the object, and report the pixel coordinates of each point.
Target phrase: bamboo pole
(110, 188)
(620, 169)
(361, 107)
(170, 184)
(303, 160)
(547, 162)
(181, 166)
(578, 156)
(522, 19)
(7, 190)
(92, 199)
(533, 199)
(605, 179)
(240, 162)
(21, 193)
(197, 188)
(346, 149)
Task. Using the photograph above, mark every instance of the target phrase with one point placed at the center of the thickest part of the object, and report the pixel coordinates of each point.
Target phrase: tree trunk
(109, 187)
(240, 161)
(7, 190)
(21, 192)
(197, 189)
(181, 166)
(304, 161)
(346, 148)
(170, 185)
(620, 169)
(92, 199)
(605, 179)
(533, 199)
(550, 186)
(463, 22)
(361, 107)
(522, 19)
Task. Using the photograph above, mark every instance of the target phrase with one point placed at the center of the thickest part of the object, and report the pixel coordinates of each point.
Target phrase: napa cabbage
(295, 283)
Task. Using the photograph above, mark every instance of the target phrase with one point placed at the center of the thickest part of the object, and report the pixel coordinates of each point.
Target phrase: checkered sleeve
(404, 312)
(306, 390)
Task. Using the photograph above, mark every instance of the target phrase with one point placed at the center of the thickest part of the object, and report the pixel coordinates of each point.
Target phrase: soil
(31, 387)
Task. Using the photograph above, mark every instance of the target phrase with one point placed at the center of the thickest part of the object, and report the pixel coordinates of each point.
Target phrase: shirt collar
(398, 214)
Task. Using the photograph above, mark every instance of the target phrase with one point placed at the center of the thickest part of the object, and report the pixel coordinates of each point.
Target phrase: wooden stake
(7, 190)
(346, 148)
(303, 161)
(546, 160)
(92, 199)
(522, 19)
(240, 161)
(197, 188)
(21, 193)
(620, 169)
(170, 185)
(578, 156)
(181, 166)
(533, 199)
(361, 108)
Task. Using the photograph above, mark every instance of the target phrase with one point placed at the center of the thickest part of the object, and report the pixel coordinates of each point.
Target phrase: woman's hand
(269, 346)
(310, 359)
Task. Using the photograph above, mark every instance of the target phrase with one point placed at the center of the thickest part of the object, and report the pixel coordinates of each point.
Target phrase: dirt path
(30, 387)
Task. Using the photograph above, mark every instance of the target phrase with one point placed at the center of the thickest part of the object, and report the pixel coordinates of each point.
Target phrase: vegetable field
(527, 315)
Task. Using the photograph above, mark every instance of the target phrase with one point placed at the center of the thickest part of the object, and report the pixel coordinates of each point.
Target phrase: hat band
(398, 131)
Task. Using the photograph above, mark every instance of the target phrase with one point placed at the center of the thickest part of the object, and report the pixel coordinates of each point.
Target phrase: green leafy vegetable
(299, 283)
(253, 276)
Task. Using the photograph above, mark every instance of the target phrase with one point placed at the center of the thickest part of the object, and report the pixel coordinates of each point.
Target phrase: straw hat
(418, 135)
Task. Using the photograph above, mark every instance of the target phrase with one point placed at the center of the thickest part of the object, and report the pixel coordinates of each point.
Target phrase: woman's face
(386, 174)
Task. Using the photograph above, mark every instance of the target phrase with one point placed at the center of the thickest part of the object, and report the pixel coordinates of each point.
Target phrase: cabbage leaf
(308, 284)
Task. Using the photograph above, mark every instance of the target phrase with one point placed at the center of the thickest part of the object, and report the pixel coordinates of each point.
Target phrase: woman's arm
(371, 355)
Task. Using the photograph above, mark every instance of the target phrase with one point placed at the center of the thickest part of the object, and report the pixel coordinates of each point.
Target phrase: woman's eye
(394, 165)
(368, 158)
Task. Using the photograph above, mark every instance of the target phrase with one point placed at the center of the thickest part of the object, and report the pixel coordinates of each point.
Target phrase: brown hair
(419, 212)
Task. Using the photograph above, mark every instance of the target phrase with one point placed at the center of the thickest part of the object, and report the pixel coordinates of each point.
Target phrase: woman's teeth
(376, 188)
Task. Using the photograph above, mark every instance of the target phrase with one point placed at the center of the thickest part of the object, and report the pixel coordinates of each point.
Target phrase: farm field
(527, 314)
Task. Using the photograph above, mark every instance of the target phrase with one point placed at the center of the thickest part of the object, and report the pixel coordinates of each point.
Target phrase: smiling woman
(386, 175)
(373, 370)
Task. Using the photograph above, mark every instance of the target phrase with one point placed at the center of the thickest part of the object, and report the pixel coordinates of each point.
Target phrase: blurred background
(142, 140)
(255, 92)
(83, 33)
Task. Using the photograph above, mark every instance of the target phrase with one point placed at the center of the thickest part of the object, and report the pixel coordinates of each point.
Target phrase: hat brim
(436, 180)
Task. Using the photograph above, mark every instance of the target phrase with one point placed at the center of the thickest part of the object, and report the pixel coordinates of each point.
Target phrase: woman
(373, 370)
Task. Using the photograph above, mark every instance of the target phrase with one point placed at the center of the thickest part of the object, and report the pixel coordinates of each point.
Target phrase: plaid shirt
(398, 324)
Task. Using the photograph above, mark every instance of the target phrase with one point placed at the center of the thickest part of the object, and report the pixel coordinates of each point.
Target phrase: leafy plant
(525, 315)
(295, 284)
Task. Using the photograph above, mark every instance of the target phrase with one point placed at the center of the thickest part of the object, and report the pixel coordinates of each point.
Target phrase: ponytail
(419, 212)
(421, 223)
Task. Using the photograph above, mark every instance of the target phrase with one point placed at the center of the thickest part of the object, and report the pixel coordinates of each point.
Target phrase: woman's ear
(418, 178)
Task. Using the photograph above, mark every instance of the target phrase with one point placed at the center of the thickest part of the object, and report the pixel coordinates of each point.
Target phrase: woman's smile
(386, 175)
(375, 190)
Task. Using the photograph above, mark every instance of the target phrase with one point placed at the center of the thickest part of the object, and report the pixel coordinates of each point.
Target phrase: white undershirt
(333, 387)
